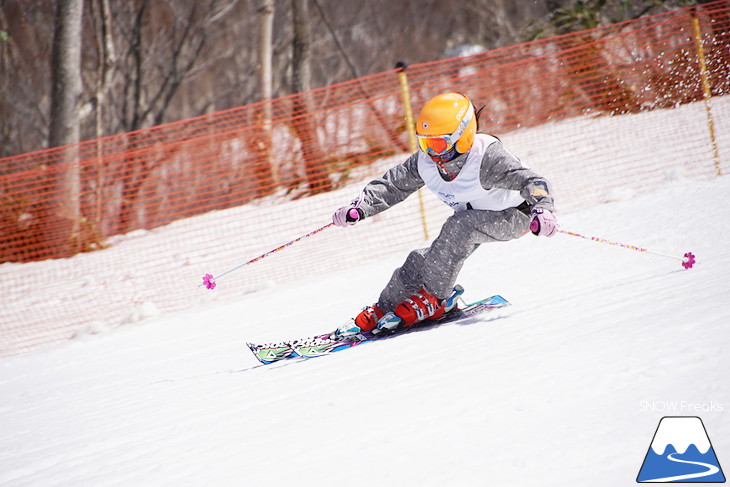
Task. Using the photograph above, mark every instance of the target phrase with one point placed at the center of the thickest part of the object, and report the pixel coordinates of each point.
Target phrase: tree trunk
(301, 47)
(264, 170)
(63, 215)
(314, 164)
(93, 207)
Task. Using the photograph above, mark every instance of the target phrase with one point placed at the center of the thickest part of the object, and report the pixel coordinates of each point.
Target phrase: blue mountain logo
(681, 452)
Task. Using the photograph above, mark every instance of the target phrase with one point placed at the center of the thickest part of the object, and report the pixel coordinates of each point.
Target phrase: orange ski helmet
(445, 122)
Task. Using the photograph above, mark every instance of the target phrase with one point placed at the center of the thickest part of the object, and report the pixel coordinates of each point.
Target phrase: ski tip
(499, 299)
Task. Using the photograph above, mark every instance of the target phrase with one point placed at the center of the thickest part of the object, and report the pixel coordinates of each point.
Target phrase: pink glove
(543, 223)
(349, 215)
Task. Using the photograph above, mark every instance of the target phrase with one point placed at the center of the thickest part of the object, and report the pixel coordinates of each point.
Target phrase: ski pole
(688, 260)
(209, 281)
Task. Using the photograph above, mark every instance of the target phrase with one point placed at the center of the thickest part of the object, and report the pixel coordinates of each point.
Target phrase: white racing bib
(467, 188)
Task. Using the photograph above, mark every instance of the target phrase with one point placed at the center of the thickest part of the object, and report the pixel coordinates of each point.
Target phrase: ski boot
(419, 307)
(365, 321)
(374, 319)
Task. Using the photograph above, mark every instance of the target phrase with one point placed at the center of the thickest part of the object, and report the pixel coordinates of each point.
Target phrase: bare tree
(5, 41)
(63, 215)
(156, 63)
(106, 60)
(263, 171)
(314, 169)
(159, 59)
(301, 46)
(66, 74)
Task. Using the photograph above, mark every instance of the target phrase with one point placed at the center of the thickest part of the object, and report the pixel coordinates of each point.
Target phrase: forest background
(77, 70)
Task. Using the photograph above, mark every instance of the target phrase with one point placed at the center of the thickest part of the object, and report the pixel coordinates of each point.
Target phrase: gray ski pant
(436, 268)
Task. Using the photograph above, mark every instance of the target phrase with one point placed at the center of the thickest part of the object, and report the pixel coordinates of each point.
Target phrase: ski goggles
(438, 145)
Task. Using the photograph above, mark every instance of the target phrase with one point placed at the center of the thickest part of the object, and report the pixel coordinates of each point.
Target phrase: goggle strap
(463, 124)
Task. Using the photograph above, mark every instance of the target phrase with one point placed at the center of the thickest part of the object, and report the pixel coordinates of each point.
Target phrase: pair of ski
(327, 343)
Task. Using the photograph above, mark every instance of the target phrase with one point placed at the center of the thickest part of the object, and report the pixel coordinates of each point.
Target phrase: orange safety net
(205, 194)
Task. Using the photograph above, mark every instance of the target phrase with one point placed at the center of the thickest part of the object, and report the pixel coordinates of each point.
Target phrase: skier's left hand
(543, 223)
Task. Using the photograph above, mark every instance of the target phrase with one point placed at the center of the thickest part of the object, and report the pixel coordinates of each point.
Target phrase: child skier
(493, 195)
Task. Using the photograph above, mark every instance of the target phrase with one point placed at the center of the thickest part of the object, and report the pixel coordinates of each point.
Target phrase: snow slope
(566, 387)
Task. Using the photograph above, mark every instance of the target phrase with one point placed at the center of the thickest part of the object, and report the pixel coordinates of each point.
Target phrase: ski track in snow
(547, 393)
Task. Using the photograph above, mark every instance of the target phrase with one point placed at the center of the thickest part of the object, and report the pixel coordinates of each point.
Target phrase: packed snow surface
(565, 387)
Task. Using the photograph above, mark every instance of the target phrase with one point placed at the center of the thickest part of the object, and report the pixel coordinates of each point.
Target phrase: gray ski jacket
(499, 169)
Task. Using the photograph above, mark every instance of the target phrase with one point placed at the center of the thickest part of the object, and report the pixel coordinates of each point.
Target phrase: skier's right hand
(347, 215)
